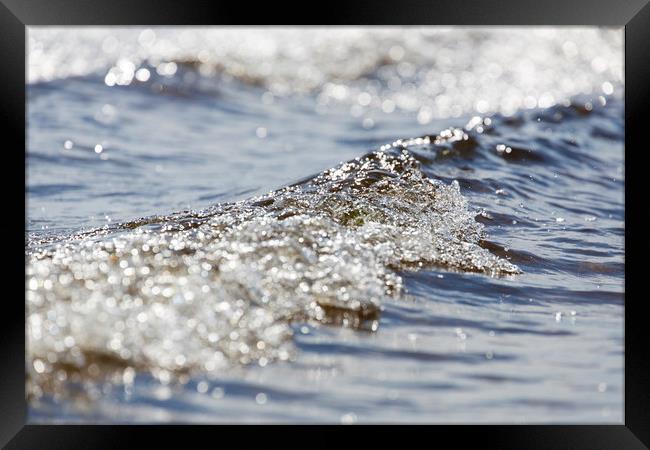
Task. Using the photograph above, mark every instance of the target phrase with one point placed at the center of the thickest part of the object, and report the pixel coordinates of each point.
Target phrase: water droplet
(142, 75)
(261, 132)
(217, 393)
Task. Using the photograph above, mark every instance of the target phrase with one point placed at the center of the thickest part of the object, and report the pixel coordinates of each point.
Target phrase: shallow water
(473, 275)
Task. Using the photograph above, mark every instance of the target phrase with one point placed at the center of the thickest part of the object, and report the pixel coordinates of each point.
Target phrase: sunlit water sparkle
(471, 272)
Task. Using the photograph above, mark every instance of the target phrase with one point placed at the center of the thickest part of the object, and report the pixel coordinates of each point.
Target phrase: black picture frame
(15, 15)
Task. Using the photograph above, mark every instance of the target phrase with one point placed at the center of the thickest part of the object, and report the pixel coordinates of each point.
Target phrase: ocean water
(354, 225)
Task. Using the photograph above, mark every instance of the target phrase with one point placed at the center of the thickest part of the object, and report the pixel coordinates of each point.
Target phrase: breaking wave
(198, 291)
(437, 72)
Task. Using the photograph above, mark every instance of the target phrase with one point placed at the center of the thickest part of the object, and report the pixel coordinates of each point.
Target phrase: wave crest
(200, 291)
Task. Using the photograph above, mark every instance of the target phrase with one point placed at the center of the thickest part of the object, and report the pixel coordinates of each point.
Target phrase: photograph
(325, 224)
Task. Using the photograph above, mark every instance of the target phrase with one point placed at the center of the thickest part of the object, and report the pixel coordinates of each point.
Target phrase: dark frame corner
(16, 15)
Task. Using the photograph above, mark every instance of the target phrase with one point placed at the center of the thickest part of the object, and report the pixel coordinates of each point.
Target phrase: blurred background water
(131, 122)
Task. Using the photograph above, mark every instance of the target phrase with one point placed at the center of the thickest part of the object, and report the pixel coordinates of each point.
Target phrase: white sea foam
(432, 70)
(198, 291)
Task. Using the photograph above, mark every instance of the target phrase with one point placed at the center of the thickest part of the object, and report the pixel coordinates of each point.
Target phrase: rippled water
(374, 225)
